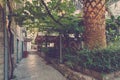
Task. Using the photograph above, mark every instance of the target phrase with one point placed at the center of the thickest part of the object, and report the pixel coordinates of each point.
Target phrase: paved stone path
(35, 68)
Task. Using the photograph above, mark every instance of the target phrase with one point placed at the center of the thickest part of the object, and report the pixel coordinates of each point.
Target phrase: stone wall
(1, 55)
(1, 46)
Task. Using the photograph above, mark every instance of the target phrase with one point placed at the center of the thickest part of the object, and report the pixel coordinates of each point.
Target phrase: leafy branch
(49, 13)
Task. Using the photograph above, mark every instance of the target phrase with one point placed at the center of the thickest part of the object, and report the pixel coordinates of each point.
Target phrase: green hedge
(51, 52)
(101, 60)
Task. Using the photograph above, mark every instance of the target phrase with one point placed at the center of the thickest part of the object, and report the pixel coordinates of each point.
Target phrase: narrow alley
(35, 68)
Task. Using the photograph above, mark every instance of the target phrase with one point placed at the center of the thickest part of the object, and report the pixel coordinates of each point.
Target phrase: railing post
(17, 51)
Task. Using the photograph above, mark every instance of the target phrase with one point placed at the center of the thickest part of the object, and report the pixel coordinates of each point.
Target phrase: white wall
(28, 46)
(115, 8)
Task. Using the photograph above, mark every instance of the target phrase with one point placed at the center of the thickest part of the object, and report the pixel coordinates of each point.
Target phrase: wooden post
(61, 57)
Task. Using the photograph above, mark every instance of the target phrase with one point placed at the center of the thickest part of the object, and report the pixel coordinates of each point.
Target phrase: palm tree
(94, 20)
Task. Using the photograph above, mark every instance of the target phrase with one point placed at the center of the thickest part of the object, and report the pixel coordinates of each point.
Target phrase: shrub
(112, 29)
(101, 60)
(50, 52)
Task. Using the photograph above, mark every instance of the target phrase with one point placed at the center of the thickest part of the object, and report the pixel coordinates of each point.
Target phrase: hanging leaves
(56, 14)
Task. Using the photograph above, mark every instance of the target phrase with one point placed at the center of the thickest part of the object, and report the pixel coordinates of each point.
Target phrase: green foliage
(18, 1)
(50, 52)
(101, 60)
(35, 15)
(112, 28)
(118, 20)
(31, 13)
(57, 6)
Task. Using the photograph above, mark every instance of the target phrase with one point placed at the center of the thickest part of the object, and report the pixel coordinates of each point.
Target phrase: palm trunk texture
(94, 20)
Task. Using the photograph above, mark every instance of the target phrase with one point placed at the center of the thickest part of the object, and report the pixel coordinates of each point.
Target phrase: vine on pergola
(56, 15)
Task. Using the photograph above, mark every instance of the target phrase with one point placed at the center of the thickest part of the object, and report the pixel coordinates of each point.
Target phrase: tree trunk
(94, 20)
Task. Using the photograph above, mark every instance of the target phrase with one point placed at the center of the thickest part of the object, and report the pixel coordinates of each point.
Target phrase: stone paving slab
(35, 68)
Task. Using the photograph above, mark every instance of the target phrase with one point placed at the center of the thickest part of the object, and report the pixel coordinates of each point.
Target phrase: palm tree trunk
(94, 20)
